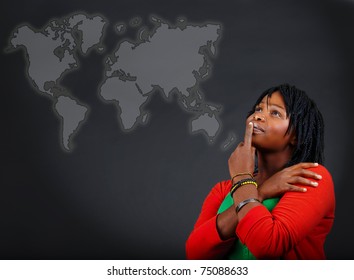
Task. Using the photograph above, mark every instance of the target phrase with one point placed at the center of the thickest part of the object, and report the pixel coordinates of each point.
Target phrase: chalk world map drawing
(173, 59)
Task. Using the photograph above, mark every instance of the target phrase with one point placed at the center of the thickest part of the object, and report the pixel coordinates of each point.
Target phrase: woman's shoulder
(326, 180)
(322, 170)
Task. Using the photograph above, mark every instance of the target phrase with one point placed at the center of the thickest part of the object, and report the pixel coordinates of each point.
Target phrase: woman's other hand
(287, 179)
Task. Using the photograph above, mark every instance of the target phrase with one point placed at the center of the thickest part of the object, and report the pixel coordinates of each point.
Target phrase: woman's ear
(293, 140)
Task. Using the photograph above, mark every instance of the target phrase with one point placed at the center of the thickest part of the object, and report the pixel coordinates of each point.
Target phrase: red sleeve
(204, 241)
(271, 235)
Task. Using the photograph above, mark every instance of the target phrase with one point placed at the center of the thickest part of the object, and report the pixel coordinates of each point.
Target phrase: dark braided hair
(305, 119)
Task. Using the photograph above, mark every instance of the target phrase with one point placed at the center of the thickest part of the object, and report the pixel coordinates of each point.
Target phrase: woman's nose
(258, 117)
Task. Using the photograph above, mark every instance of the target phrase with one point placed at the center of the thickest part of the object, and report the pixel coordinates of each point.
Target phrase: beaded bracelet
(244, 202)
(241, 174)
(242, 183)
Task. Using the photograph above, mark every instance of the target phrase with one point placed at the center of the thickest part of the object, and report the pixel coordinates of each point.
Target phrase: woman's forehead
(274, 98)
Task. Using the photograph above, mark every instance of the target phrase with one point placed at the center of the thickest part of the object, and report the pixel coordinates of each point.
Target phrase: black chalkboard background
(137, 195)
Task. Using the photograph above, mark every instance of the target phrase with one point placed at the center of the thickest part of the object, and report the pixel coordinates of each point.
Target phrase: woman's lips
(257, 129)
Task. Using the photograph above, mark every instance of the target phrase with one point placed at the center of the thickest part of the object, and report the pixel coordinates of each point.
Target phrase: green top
(240, 251)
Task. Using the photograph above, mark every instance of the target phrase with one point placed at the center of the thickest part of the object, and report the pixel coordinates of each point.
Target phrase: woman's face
(270, 124)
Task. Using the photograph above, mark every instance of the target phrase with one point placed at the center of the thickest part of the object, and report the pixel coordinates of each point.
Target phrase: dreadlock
(305, 119)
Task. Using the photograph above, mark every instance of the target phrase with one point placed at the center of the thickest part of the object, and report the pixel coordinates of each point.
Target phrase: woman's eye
(258, 109)
(276, 113)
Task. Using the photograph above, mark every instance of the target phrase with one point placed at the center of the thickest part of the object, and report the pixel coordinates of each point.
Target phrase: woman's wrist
(240, 176)
(260, 195)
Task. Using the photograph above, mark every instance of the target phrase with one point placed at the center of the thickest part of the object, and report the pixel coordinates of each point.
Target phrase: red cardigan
(295, 229)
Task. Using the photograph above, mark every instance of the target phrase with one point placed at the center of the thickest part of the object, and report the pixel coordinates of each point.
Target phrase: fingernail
(304, 190)
(319, 177)
(314, 184)
(250, 123)
(316, 164)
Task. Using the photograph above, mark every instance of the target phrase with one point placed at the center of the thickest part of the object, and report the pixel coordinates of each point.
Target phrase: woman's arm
(213, 234)
(271, 235)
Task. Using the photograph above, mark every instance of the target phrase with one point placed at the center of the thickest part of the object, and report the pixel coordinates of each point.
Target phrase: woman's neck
(270, 163)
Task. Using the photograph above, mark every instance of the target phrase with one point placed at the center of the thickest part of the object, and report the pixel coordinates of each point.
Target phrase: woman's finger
(293, 188)
(298, 180)
(308, 174)
(304, 165)
(248, 135)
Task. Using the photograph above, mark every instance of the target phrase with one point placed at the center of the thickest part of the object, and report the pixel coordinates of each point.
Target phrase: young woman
(279, 202)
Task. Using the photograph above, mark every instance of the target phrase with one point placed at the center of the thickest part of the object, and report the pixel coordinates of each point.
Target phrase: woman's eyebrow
(271, 104)
(276, 105)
